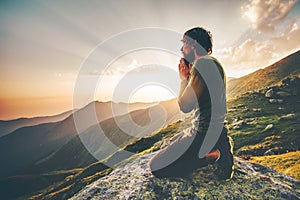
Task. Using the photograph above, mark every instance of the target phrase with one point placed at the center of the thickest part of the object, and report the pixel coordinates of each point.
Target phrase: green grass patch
(287, 163)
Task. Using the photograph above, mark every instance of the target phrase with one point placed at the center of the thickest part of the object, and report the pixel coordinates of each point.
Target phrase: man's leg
(161, 165)
(226, 162)
(178, 159)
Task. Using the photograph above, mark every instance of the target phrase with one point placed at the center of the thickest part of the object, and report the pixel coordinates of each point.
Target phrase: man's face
(187, 51)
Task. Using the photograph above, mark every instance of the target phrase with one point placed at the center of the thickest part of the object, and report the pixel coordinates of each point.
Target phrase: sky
(50, 48)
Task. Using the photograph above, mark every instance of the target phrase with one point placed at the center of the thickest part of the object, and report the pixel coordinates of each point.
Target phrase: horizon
(44, 45)
(121, 102)
(133, 102)
(76, 109)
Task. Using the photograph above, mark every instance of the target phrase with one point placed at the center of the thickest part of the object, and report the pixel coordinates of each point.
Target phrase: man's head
(197, 39)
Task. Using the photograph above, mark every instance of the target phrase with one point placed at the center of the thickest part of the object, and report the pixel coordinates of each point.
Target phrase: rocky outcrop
(290, 116)
(238, 124)
(270, 93)
(135, 181)
(269, 127)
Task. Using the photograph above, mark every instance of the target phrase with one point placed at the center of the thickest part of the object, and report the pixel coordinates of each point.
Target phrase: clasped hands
(184, 70)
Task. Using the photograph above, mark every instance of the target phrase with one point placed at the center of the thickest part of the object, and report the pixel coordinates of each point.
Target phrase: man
(181, 157)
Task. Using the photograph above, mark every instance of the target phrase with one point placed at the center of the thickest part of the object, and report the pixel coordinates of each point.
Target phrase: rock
(280, 108)
(282, 94)
(232, 110)
(268, 127)
(269, 152)
(135, 181)
(286, 81)
(275, 101)
(250, 119)
(279, 100)
(262, 91)
(288, 117)
(249, 92)
(256, 109)
(272, 101)
(246, 109)
(295, 80)
(240, 105)
(238, 124)
(270, 93)
(291, 80)
(237, 119)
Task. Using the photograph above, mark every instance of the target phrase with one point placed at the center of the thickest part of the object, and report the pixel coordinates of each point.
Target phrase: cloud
(64, 75)
(134, 67)
(272, 37)
(116, 70)
(251, 55)
(248, 56)
(265, 15)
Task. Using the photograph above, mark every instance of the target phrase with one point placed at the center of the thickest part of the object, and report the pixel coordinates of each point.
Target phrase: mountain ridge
(42, 139)
(288, 66)
(109, 125)
(8, 126)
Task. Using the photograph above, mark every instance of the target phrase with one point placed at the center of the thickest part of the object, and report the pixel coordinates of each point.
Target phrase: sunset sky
(44, 46)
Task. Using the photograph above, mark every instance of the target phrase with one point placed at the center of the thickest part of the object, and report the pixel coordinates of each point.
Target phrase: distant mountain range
(74, 154)
(8, 126)
(35, 145)
(259, 79)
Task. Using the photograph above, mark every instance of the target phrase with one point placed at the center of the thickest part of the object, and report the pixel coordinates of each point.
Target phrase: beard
(190, 57)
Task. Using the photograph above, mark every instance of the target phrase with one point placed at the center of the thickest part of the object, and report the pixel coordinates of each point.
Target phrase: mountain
(8, 126)
(27, 145)
(273, 74)
(74, 154)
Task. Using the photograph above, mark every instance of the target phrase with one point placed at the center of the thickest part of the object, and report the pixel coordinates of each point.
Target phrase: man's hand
(184, 70)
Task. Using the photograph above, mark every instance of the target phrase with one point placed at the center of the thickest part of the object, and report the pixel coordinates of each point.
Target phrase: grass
(252, 138)
(252, 141)
(16, 186)
(287, 163)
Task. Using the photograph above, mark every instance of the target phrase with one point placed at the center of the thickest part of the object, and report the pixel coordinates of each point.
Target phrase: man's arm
(190, 92)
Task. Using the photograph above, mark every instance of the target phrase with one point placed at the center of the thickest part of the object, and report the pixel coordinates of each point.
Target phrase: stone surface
(288, 117)
(270, 93)
(256, 109)
(135, 181)
(238, 124)
(269, 152)
(283, 94)
(268, 127)
(276, 101)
